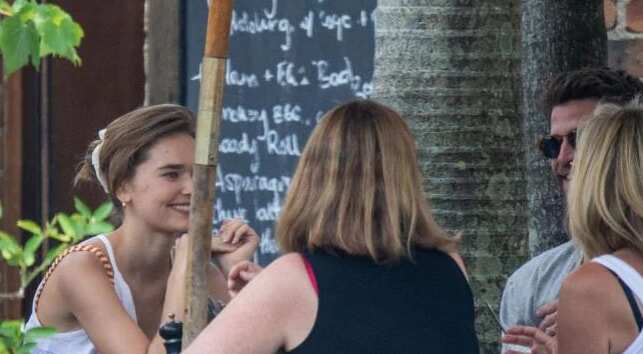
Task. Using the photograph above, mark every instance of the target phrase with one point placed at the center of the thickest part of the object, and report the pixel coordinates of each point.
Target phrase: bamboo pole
(205, 164)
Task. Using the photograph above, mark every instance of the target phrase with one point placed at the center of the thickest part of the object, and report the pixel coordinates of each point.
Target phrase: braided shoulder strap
(78, 248)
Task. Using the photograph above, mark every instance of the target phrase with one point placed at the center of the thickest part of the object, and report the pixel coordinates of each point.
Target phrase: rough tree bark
(451, 67)
(557, 36)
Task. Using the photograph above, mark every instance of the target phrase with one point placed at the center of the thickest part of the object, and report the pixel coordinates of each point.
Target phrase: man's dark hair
(609, 85)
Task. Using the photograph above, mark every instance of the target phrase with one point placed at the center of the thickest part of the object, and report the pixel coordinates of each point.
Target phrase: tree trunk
(557, 36)
(451, 68)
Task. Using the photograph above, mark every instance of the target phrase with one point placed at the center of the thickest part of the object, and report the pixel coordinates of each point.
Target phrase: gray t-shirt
(535, 284)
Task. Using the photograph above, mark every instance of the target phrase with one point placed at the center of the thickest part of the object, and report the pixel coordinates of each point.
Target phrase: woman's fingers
(552, 330)
(525, 341)
(238, 233)
(532, 337)
(548, 321)
(234, 231)
(217, 245)
(240, 275)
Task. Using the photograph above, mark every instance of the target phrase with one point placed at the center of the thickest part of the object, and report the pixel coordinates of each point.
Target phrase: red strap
(311, 274)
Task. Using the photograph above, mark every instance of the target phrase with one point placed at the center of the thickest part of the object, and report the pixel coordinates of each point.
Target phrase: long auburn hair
(358, 189)
(605, 202)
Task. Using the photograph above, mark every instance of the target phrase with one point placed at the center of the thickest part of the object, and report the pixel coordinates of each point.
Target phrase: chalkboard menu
(290, 61)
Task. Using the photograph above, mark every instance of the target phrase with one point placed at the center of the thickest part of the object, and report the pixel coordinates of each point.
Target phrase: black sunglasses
(550, 146)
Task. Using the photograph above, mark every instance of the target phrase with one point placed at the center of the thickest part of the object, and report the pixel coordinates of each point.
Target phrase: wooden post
(205, 164)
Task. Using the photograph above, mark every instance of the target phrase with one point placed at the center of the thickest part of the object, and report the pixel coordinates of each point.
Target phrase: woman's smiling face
(159, 193)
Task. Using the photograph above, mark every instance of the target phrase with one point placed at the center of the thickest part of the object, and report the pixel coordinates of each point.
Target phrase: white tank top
(77, 341)
(634, 281)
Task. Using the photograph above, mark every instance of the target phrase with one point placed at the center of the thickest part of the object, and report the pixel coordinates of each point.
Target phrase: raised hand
(538, 341)
(240, 275)
(235, 242)
(549, 314)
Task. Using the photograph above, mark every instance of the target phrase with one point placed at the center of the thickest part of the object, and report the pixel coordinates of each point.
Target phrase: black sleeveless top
(405, 308)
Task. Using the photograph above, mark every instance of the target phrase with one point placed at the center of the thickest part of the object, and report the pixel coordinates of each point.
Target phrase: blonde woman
(366, 269)
(599, 308)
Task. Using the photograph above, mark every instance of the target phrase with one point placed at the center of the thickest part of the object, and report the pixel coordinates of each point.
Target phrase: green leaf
(53, 253)
(66, 224)
(31, 246)
(30, 226)
(103, 211)
(8, 242)
(49, 13)
(59, 33)
(99, 228)
(27, 11)
(26, 348)
(1, 211)
(18, 41)
(82, 208)
(3, 347)
(11, 333)
(18, 5)
(10, 249)
(39, 332)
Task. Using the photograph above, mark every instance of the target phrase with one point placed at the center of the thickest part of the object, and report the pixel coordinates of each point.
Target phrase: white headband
(96, 161)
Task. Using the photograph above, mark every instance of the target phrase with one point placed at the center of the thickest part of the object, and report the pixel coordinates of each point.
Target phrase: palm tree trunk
(451, 67)
(557, 36)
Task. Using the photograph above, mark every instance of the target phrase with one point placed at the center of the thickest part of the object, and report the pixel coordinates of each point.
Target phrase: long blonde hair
(606, 195)
(358, 189)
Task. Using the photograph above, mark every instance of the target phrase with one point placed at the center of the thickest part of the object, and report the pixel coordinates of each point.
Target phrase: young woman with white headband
(111, 293)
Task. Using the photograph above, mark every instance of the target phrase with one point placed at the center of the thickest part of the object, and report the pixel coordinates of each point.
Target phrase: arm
(217, 284)
(275, 310)
(89, 297)
(583, 321)
(584, 311)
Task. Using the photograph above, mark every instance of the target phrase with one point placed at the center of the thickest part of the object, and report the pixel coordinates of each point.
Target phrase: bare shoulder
(78, 265)
(591, 286)
(588, 282)
(78, 275)
(288, 262)
(285, 274)
(275, 310)
(77, 279)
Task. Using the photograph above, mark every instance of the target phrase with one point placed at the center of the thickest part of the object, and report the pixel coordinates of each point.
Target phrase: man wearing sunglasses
(531, 294)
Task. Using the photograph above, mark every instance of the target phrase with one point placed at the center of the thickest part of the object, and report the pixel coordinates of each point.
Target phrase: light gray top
(535, 284)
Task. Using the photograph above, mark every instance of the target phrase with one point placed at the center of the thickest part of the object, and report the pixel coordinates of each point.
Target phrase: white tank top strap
(628, 275)
(634, 281)
(120, 285)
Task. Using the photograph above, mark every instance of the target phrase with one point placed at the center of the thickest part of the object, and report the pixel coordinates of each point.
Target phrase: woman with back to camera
(366, 269)
(599, 307)
(111, 293)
